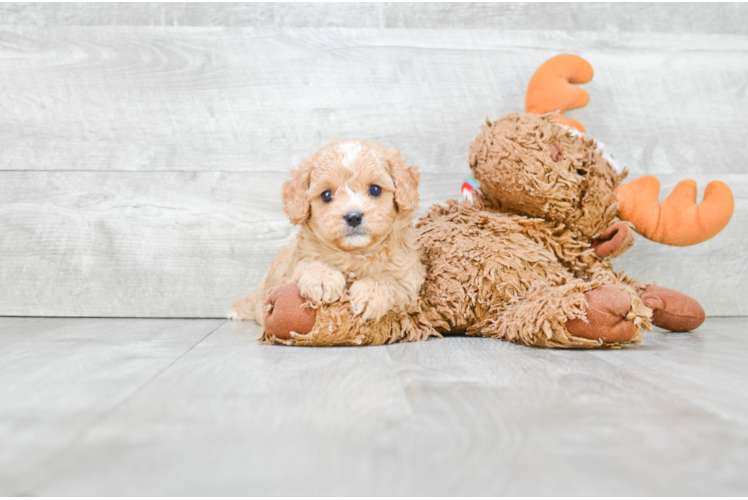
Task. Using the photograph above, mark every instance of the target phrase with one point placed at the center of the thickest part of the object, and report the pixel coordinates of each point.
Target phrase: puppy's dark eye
(327, 196)
(581, 172)
(375, 190)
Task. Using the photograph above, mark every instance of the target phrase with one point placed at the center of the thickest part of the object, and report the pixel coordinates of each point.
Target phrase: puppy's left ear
(406, 180)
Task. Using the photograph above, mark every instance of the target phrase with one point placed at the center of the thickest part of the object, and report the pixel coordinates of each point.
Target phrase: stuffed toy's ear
(295, 196)
(406, 180)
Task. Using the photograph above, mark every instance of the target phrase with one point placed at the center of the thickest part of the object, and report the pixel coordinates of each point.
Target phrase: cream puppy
(355, 202)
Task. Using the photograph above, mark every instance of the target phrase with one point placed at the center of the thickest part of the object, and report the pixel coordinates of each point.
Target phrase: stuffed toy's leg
(290, 320)
(671, 310)
(577, 314)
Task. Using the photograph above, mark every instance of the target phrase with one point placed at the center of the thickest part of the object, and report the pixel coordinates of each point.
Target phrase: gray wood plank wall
(144, 145)
(635, 17)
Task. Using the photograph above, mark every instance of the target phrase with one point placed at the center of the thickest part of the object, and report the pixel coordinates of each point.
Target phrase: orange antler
(678, 220)
(550, 88)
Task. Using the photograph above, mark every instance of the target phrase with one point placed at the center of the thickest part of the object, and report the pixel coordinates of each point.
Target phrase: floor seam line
(97, 421)
(394, 370)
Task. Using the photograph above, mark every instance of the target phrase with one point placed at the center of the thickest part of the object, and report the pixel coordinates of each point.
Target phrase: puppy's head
(351, 193)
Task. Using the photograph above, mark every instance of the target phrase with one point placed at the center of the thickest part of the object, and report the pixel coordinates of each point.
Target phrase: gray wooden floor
(150, 406)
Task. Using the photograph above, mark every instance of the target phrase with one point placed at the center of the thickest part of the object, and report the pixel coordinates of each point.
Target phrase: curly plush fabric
(494, 274)
(514, 160)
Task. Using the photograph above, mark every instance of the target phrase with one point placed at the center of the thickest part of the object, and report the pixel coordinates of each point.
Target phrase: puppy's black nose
(353, 219)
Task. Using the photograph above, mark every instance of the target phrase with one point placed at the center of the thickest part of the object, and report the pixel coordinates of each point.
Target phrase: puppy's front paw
(321, 284)
(369, 299)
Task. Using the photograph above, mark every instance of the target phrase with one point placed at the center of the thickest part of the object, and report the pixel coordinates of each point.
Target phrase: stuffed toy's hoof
(673, 310)
(288, 312)
(614, 241)
(607, 306)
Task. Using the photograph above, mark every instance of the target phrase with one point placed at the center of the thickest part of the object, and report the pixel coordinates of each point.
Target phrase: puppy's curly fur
(373, 263)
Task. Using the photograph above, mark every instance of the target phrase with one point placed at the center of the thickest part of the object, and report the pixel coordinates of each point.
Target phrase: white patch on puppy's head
(350, 150)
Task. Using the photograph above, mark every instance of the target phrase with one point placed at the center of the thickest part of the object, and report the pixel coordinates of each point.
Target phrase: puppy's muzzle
(353, 219)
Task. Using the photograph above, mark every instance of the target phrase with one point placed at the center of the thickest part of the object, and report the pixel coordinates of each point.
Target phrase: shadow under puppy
(355, 202)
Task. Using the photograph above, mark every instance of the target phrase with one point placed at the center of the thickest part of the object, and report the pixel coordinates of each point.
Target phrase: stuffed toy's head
(530, 165)
(540, 164)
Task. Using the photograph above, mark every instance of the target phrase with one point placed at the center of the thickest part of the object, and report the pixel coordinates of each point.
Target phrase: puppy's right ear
(296, 204)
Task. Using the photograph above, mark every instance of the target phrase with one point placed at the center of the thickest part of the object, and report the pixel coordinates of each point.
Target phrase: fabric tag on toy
(469, 188)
